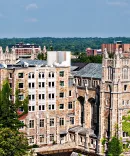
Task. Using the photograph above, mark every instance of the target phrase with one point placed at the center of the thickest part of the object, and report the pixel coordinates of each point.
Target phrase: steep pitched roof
(91, 70)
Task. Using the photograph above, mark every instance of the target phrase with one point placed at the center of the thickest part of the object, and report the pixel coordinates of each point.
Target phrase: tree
(12, 142)
(8, 109)
(114, 147)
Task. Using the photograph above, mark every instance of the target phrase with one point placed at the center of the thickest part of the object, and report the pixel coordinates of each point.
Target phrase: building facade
(68, 104)
(10, 56)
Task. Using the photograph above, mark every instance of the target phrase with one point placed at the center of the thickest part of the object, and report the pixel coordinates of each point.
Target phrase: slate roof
(32, 62)
(79, 65)
(91, 70)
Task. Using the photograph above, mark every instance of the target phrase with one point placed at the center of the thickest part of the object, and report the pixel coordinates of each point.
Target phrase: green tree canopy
(115, 147)
(12, 142)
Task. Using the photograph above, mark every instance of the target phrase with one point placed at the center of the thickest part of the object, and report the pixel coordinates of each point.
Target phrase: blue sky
(64, 18)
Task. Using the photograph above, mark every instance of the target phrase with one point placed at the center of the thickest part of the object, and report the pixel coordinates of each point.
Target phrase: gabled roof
(91, 70)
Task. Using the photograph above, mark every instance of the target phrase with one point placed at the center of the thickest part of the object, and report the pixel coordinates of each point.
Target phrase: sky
(64, 18)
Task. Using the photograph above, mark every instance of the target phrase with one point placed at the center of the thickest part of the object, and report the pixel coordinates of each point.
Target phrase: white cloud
(31, 20)
(31, 6)
(117, 2)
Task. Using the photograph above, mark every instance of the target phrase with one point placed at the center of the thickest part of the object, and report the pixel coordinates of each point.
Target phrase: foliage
(12, 143)
(126, 123)
(115, 147)
(8, 110)
(82, 57)
(71, 44)
(103, 141)
(41, 56)
(23, 104)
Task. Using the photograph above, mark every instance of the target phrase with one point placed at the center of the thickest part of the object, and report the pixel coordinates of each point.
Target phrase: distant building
(93, 52)
(111, 47)
(20, 50)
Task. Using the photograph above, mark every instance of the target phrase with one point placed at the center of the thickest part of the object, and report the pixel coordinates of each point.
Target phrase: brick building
(93, 52)
(111, 47)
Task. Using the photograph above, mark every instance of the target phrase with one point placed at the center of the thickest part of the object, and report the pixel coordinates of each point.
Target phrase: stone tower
(115, 94)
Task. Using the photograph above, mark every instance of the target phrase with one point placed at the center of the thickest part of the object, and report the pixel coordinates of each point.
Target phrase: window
(69, 92)
(21, 97)
(31, 123)
(61, 73)
(123, 102)
(22, 122)
(31, 108)
(21, 109)
(31, 97)
(125, 87)
(10, 84)
(70, 105)
(31, 75)
(41, 107)
(62, 83)
(20, 75)
(41, 96)
(31, 139)
(51, 137)
(51, 122)
(10, 97)
(51, 75)
(41, 84)
(51, 84)
(51, 96)
(41, 138)
(61, 121)
(20, 85)
(31, 85)
(41, 122)
(41, 75)
(51, 106)
(61, 106)
(61, 95)
(110, 73)
(10, 75)
(72, 120)
(125, 73)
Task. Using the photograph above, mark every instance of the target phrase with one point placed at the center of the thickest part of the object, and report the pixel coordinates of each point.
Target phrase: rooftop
(91, 70)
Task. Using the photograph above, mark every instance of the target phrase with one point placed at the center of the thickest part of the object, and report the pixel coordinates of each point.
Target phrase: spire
(116, 54)
(44, 49)
(1, 50)
(120, 53)
(33, 50)
(13, 50)
(105, 53)
(7, 49)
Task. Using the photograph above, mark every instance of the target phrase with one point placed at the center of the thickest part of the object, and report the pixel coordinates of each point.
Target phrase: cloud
(31, 20)
(117, 3)
(31, 6)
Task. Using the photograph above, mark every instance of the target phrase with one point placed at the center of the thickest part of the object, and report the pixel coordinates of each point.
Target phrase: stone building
(72, 105)
(11, 55)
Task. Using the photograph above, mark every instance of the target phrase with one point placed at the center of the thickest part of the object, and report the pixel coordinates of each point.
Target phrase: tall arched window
(125, 73)
(110, 73)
